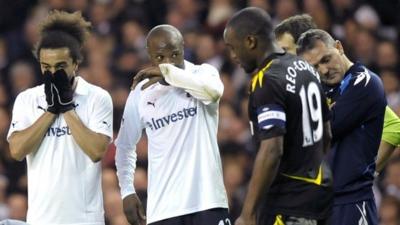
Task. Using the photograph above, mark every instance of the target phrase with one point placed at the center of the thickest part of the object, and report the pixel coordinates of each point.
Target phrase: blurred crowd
(369, 31)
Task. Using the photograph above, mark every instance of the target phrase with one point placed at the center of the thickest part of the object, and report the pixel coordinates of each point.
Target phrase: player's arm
(390, 138)
(269, 102)
(358, 102)
(125, 158)
(326, 115)
(23, 136)
(264, 171)
(26, 141)
(327, 136)
(203, 84)
(94, 138)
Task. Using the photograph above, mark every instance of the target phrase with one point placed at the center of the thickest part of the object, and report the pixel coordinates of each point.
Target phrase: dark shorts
(289, 220)
(360, 213)
(217, 216)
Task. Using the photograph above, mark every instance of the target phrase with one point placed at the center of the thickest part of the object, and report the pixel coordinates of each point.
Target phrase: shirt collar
(82, 87)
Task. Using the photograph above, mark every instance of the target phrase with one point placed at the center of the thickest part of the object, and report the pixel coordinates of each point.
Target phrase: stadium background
(369, 31)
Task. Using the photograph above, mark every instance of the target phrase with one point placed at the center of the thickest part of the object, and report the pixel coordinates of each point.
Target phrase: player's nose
(234, 57)
(167, 60)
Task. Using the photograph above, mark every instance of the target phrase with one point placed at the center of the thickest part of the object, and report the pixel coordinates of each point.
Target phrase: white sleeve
(101, 120)
(204, 83)
(20, 119)
(128, 136)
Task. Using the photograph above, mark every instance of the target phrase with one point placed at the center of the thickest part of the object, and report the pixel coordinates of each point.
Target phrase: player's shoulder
(31, 93)
(98, 93)
(361, 76)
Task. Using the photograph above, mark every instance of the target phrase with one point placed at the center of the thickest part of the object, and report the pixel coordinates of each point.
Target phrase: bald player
(176, 103)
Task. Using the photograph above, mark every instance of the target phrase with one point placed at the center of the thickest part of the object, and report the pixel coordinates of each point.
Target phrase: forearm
(28, 140)
(384, 153)
(125, 162)
(93, 144)
(206, 86)
(264, 172)
(327, 137)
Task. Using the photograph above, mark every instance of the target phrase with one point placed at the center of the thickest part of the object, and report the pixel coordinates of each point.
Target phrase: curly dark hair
(62, 29)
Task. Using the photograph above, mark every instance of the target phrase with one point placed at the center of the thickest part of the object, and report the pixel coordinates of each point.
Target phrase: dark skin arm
(153, 73)
(93, 144)
(384, 153)
(327, 136)
(264, 172)
(133, 210)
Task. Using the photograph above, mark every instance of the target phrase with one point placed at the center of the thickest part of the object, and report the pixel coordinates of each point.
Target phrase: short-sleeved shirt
(64, 185)
(286, 99)
(391, 128)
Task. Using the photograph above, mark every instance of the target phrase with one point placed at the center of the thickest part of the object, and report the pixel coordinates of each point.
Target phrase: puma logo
(105, 122)
(40, 107)
(151, 103)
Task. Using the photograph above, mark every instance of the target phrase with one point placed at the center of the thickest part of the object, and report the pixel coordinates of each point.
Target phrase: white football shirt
(181, 122)
(64, 185)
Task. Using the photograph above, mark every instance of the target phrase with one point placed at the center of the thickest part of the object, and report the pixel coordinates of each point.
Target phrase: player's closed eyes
(325, 59)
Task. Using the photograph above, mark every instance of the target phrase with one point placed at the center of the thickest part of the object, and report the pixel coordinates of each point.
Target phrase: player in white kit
(63, 128)
(176, 103)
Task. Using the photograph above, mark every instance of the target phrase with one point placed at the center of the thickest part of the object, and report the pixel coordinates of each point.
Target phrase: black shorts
(289, 220)
(355, 213)
(217, 216)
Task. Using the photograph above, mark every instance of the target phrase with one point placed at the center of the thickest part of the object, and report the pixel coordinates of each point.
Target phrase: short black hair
(295, 26)
(252, 21)
(309, 38)
(62, 29)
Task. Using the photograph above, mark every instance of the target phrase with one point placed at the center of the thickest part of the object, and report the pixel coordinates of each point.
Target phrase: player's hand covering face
(58, 90)
(152, 73)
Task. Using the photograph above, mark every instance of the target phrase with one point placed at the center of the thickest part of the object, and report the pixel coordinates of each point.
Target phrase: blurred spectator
(219, 11)
(365, 47)
(392, 177)
(4, 98)
(17, 205)
(389, 212)
(132, 33)
(367, 17)
(285, 9)
(99, 15)
(318, 11)
(206, 51)
(77, 5)
(22, 77)
(112, 205)
(109, 180)
(4, 212)
(266, 5)
(392, 89)
(233, 179)
(387, 56)
(3, 53)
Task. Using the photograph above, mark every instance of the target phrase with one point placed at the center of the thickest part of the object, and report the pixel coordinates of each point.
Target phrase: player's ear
(251, 42)
(339, 47)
